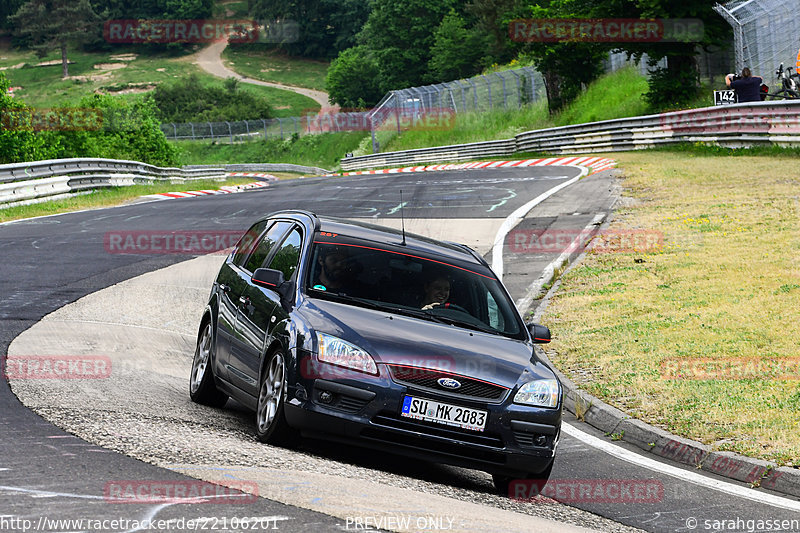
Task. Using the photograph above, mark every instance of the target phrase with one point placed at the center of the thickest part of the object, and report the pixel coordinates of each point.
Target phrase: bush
(353, 79)
(188, 100)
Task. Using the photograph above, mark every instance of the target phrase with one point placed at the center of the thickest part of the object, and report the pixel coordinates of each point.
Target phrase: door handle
(244, 301)
(224, 288)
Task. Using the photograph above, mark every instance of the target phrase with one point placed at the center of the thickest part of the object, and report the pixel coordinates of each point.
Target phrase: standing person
(748, 87)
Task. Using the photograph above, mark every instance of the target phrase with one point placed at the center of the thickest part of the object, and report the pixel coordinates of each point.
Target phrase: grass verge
(324, 150)
(107, 198)
(723, 288)
(262, 62)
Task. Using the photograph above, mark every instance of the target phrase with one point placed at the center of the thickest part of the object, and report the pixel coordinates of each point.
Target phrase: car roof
(391, 236)
(387, 235)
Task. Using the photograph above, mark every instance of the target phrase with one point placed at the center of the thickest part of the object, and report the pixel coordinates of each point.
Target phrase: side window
(248, 240)
(288, 255)
(264, 246)
(495, 317)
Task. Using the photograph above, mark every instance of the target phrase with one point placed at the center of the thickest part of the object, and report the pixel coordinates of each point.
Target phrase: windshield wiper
(464, 324)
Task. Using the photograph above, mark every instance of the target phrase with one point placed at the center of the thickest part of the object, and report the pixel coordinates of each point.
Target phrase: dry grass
(725, 285)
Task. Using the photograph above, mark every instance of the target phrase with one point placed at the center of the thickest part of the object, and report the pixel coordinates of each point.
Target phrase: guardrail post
(192, 125)
(230, 131)
(247, 126)
(264, 121)
(211, 128)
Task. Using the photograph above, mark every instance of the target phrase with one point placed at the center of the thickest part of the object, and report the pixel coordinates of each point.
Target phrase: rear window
(425, 285)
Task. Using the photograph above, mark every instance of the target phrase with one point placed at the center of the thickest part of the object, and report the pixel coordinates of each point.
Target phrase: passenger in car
(337, 271)
(436, 292)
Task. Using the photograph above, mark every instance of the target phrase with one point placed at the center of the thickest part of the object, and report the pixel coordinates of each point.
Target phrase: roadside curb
(227, 189)
(594, 164)
(659, 442)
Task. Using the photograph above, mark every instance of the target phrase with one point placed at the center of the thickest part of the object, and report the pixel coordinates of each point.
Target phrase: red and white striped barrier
(594, 164)
(227, 189)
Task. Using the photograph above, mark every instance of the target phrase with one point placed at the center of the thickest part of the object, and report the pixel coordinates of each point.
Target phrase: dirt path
(210, 60)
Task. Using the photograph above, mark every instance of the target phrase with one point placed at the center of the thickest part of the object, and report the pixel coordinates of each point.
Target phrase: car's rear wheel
(271, 425)
(526, 487)
(202, 388)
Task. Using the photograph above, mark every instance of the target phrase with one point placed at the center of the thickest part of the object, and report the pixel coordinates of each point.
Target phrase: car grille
(427, 379)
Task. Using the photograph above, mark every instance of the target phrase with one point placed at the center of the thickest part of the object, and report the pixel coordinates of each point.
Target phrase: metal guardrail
(22, 183)
(265, 167)
(734, 126)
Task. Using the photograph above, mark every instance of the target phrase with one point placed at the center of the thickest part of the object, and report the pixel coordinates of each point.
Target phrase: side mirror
(540, 334)
(272, 279)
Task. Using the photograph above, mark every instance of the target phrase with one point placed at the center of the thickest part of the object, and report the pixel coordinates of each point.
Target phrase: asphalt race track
(50, 262)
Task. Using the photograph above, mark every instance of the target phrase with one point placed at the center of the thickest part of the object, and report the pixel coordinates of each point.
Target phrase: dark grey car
(394, 341)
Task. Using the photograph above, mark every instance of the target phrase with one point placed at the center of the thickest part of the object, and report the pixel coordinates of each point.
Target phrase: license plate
(443, 413)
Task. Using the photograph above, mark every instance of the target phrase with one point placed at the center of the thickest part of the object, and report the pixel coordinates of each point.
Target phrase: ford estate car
(358, 333)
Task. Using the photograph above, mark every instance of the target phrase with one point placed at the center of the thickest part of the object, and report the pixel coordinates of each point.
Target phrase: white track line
(680, 473)
(514, 218)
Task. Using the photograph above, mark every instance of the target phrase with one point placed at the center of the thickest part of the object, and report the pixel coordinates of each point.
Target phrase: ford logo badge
(449, 383)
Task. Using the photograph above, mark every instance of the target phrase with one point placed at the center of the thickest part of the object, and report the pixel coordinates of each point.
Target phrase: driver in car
(436, 293)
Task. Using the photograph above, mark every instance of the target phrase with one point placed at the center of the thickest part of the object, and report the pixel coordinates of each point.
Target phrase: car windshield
(426, 286)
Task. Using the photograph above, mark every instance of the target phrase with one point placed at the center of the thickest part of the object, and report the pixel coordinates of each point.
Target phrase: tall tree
(677, 83)
(8, 8)
(565, 66)
(326, 27)
(457, 50)
(400, 35)
(52, 24)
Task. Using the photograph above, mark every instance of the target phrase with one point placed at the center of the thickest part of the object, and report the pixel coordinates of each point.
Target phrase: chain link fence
(766, 33)
(509, 89)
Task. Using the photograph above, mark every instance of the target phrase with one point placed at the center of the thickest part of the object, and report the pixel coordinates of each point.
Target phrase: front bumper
(517, 440)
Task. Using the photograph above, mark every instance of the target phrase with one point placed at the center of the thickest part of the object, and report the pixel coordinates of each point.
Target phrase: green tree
(400, 36)
(8, 8)
(678, 83)
(565, 66)
(326, 27)
(456, 50)
(53, 24)
(352, 79)
(18, 141)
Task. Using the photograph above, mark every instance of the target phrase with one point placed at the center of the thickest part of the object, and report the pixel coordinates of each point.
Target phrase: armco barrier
(734, 126)
(266, 167)
(22, 183)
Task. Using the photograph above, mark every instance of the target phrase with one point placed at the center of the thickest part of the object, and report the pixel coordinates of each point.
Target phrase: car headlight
(338, 352)
(541, 393)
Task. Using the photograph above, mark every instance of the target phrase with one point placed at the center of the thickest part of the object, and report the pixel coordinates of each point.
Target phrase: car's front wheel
(271, 425)
(522, 487)
(202, 388)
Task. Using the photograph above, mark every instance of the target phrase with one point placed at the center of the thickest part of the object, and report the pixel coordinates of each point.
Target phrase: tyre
(202, 388)
(531, 485)
(271, 425)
